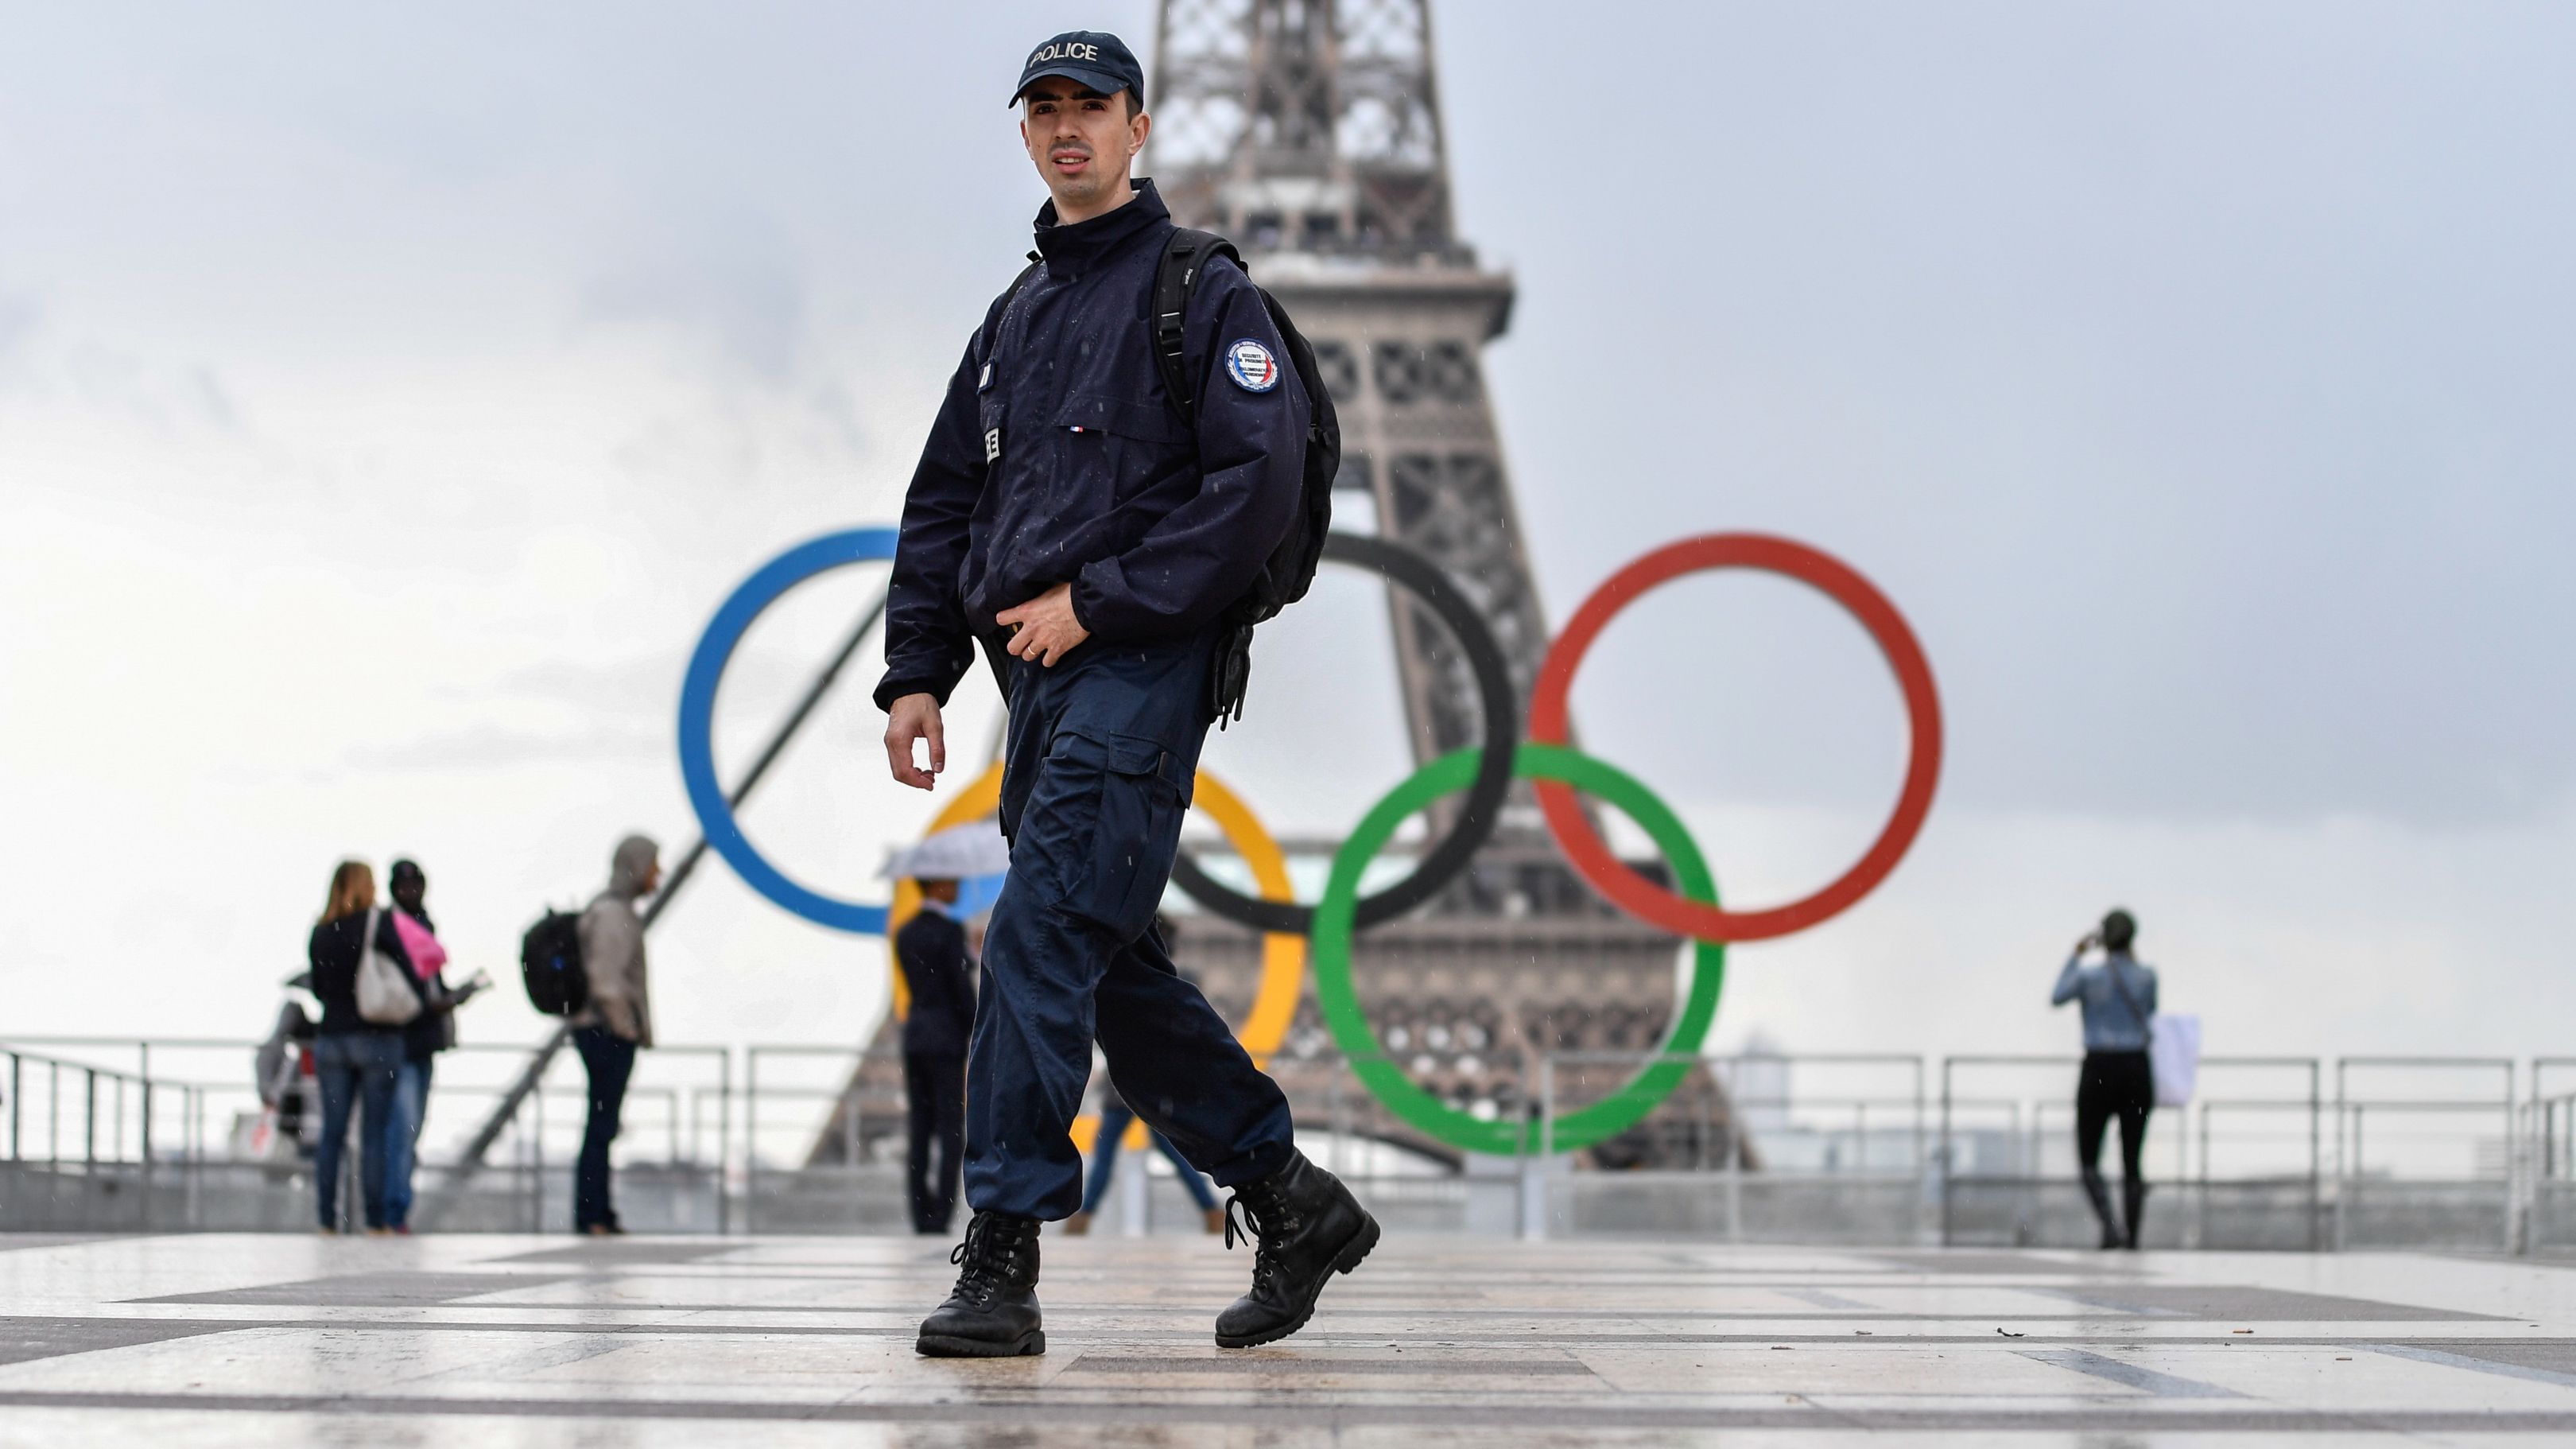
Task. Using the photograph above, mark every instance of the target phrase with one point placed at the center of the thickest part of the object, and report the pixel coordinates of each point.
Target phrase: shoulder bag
(386, 996)
(2173, 1045)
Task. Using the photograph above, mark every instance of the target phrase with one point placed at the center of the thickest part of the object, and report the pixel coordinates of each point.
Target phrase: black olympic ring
(1484, 804)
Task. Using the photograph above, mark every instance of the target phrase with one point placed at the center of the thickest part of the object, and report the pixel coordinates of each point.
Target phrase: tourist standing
(617, 1020)
(2119, 997)
(426, 1035)
(939, 974)
(1072, 513)
(355, 1061)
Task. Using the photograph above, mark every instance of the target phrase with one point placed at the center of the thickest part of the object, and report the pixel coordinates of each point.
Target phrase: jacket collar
(1071, 250)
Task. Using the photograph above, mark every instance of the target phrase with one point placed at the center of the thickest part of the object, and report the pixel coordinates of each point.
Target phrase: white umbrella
(961, 852)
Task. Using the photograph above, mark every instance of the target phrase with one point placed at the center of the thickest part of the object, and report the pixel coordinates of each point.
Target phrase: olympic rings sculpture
(697, 724)
(1324, 931)
(1417, 575)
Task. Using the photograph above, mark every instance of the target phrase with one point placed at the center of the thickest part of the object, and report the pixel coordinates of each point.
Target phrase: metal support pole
(724, 1143)
(2316, 1156)
(147, 1152)
(2513, 1243)
(750, 1137)
(537, 1203)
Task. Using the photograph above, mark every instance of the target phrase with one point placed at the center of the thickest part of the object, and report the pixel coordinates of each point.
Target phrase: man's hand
(915, 717)
(1045, 629)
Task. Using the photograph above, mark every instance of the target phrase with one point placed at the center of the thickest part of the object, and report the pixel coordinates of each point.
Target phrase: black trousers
(2114, 1084)
(934, 1088)
(609, 1060)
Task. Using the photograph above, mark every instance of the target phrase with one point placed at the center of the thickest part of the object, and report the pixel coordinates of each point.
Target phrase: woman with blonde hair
(354, 1059)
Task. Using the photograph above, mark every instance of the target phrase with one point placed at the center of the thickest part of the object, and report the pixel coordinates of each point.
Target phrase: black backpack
(550, 962)
(1290, 570)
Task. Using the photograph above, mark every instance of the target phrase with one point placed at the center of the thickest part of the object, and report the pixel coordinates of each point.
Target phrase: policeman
(931, 949)
(1064, 516)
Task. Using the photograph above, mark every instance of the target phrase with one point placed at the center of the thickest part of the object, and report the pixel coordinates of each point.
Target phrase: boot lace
(987, 1264)
(1269, 1220)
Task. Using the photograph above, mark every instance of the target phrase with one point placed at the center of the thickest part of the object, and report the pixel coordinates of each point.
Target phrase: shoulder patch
(1251, 365)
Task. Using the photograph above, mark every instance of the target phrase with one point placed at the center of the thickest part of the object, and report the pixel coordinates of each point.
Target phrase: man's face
(1081, 140)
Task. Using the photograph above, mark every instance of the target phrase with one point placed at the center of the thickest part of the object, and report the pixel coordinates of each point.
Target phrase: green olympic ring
(1330, 956)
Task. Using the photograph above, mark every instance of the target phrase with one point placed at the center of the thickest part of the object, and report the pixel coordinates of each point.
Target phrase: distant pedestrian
(283, 1068)
(354, 1060)
(2119, 997)
(426, 1035)
(617, 1021)
(1115, 1118)
(940, 975)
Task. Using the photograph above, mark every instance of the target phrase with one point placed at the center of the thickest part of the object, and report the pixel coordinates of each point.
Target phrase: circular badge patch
(1251, 366)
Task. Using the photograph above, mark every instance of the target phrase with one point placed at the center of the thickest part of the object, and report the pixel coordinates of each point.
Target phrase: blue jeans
(402, 1143)
(354, 1067)
(1104, 1161)
(1097, 772)
(610, 1060)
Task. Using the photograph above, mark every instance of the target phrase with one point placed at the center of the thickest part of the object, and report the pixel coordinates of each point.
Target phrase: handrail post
(2512, 1164)
(1943, 1157)
(750, 1139)
(724, 1142)
(146, 1174)
(2316, 1155)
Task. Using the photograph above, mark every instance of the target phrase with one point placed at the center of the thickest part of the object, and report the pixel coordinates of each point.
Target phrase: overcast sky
(387, 398)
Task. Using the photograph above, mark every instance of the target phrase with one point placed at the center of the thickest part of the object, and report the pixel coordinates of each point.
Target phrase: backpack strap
(1013, 291)
(1184, 257)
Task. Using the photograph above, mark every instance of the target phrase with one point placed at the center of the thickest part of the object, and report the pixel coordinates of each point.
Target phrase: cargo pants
(1097, 772)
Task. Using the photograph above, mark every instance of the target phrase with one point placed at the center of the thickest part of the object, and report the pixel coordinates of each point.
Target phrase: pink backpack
(423, 948)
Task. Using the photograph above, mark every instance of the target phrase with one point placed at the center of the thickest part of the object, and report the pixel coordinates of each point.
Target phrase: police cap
(1095, 58)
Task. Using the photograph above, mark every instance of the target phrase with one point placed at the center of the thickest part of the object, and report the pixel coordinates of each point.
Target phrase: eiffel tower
(1309, 133)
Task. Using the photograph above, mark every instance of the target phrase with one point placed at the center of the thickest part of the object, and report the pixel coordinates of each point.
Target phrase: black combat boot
(2133, 1193)
(1305, 1227)
(994, 1312)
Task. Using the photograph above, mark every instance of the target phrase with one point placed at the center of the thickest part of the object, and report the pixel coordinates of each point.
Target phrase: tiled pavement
(527, 1341)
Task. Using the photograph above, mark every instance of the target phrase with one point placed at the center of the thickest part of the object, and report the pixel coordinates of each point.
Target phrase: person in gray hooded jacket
(617, 1020)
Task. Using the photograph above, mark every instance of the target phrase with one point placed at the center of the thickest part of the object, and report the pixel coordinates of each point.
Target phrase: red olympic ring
(1642, 897)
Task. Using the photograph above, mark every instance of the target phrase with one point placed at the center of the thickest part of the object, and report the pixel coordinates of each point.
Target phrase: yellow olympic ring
(1283, 956)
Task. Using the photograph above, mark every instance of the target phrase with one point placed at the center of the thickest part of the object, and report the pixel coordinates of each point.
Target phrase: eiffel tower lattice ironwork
(1310, 133)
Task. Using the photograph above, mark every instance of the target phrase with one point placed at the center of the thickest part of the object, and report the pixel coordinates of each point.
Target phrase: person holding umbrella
(930, 951)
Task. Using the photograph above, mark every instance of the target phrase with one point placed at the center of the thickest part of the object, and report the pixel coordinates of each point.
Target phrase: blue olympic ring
(697, 720)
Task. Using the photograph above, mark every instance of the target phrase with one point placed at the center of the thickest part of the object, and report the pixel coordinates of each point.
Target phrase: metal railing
(112, 1118)
(2317, 1154)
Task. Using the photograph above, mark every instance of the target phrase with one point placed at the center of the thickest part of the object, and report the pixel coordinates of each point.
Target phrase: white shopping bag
(2173, 1057)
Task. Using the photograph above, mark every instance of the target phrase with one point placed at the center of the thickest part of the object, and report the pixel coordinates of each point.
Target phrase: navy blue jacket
(1057, 457)
(932, 948)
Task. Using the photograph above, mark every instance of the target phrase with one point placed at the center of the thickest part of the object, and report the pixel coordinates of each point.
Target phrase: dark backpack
(550, 962)
(1290, 569)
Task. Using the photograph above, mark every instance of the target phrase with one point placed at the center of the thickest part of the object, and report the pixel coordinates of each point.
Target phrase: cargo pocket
(1136, 830)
